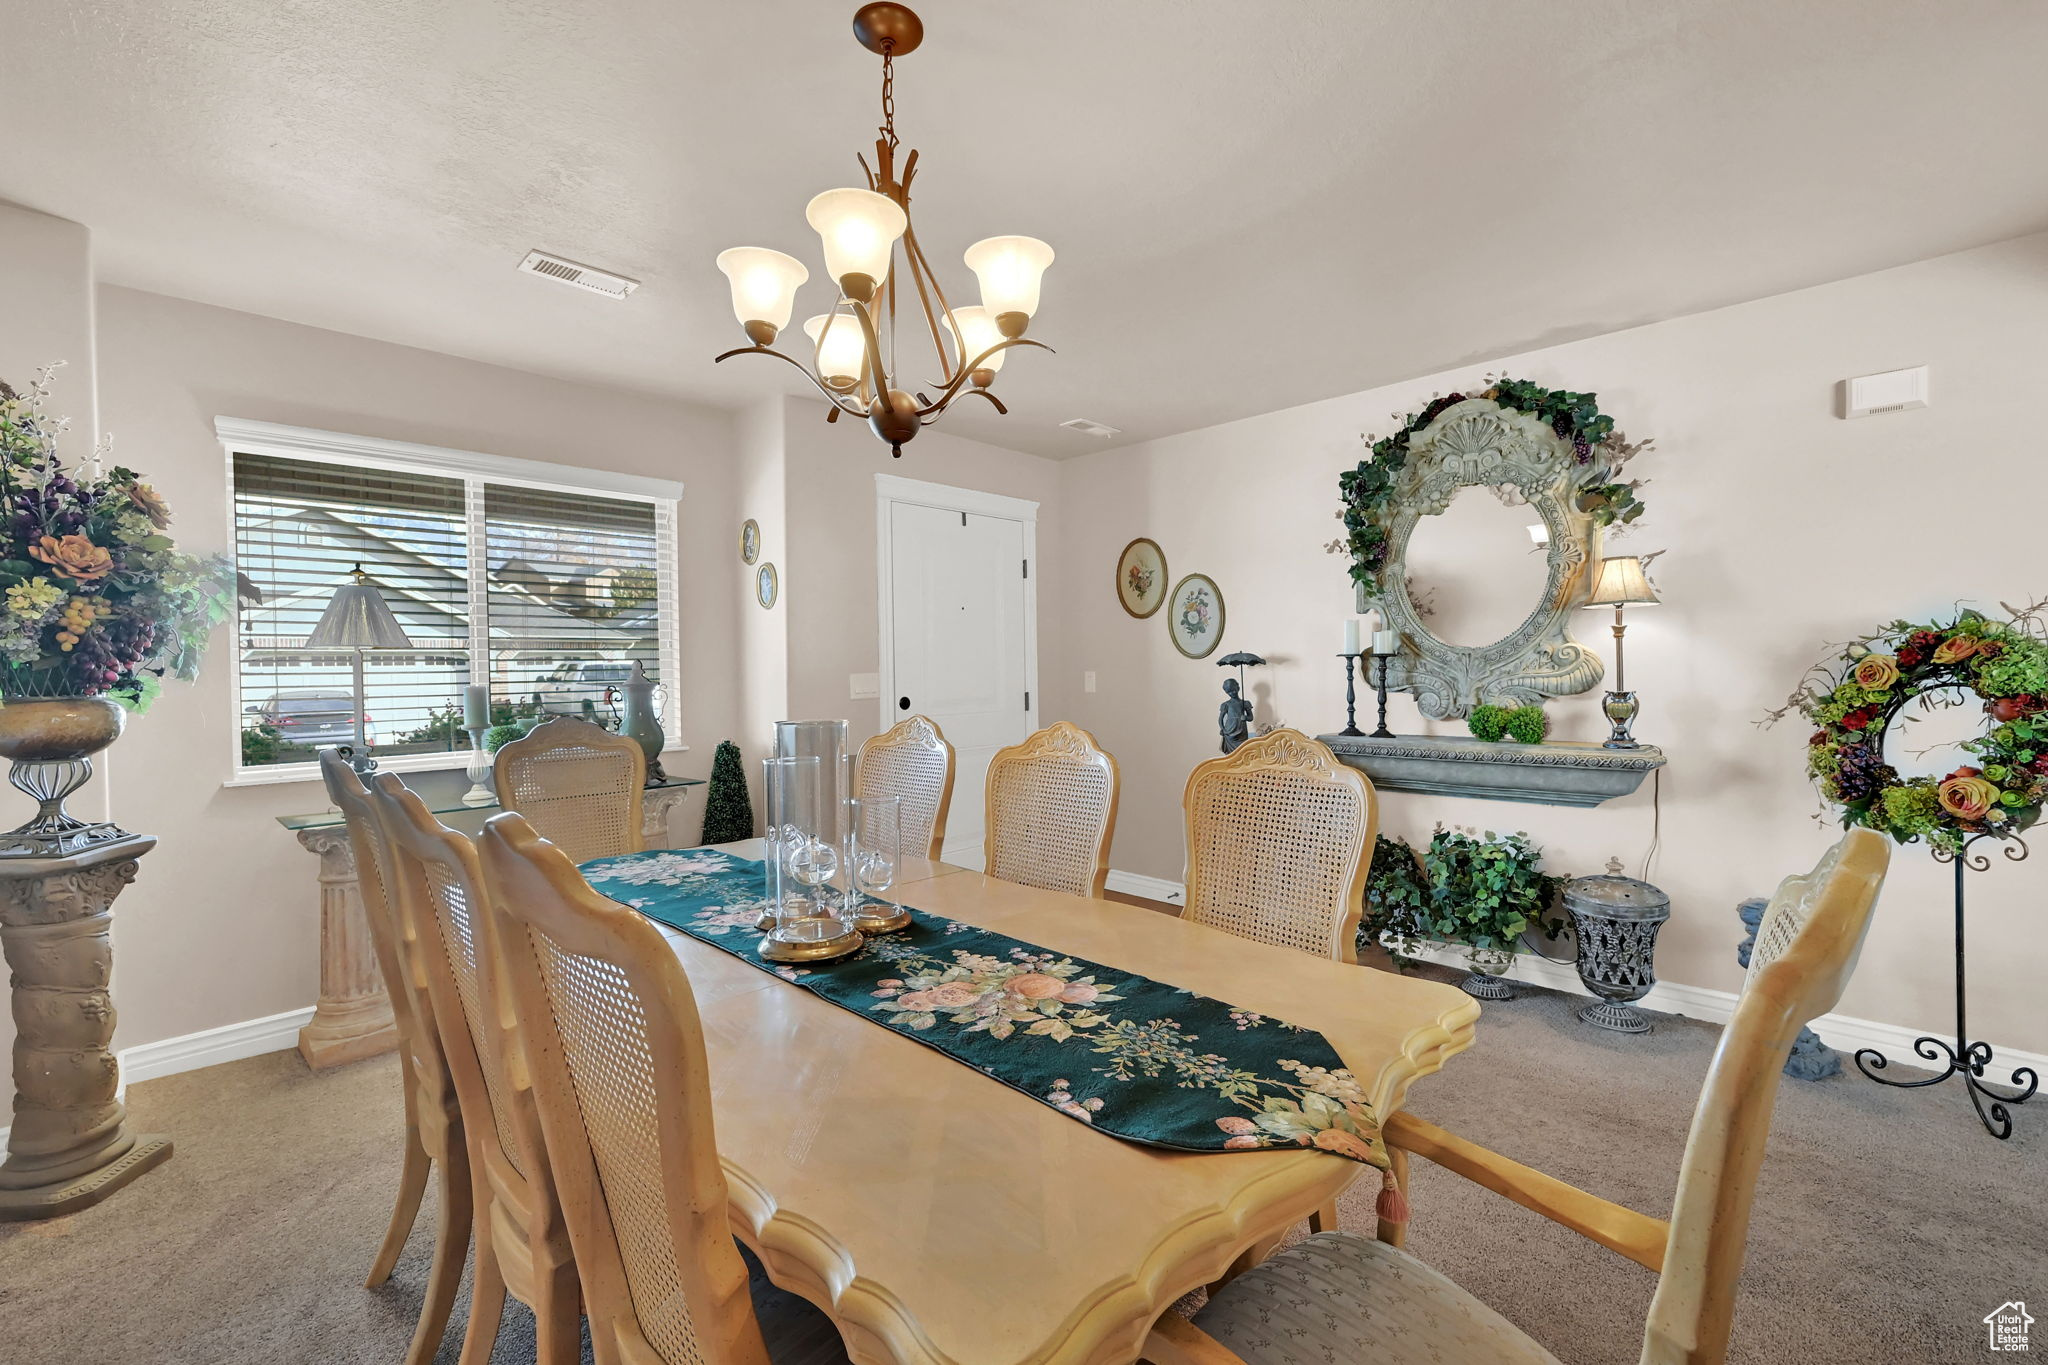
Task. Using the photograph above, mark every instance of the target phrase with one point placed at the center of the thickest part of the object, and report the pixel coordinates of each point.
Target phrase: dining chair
(616, 1057)
(913, 761)
(580, 784)
(433, 1116)
(1051, 812)
(1342, 1296)
(522, 1245)
(1279, 837)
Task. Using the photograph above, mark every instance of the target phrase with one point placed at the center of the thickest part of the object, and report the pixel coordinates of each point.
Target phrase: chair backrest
(912, 761)
(616, 1056)
(392, 935)
(581, 785)
(1279, 837)
(1805, 950)
(436, 878)
(1052, 811)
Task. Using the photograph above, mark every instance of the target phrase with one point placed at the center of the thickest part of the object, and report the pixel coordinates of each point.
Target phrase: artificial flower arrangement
(1367, 491)
(97, 598)
(1855, 698)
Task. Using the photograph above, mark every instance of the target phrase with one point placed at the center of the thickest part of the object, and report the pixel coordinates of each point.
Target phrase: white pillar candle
(1351, 636)
(1386, 642)
(476, 707)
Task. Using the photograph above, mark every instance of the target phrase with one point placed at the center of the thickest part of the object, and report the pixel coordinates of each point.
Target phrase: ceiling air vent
(1088, 428)
(582, 276)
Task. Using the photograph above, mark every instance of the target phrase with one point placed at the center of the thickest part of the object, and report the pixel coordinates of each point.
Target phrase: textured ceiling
(1253, 205)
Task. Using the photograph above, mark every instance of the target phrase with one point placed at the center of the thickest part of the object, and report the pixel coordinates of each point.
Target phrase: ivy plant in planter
(1485, 891)
(1396, 902)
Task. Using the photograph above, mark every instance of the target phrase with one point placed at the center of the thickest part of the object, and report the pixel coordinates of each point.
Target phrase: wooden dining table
(942, 1218)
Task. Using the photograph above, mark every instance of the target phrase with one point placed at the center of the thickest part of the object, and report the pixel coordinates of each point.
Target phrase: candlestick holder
(480, 793)
(1351, 695)
(1383, 732)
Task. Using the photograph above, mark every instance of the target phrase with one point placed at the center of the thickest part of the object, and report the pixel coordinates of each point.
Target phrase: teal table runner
(1145, 1061)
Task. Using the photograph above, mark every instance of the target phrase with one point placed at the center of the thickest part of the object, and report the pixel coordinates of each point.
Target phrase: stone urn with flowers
(96, 607)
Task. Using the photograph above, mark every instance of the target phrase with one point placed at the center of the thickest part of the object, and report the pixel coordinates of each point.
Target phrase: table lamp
(357, 619)
(1619, 582)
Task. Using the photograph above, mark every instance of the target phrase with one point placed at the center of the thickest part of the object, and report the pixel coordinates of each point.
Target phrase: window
(577, 584)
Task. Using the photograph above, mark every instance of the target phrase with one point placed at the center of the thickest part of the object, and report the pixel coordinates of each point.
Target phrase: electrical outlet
(863, 686)
(1088, 681)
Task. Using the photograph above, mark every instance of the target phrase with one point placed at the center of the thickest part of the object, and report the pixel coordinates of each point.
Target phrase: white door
(956, 642)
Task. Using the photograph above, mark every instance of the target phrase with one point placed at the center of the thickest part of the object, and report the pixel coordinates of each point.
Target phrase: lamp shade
(357, 618)
(974, 331)
(840, 358)
(764, 283)
(859, 229)
(1010, 269)
(1620, 582)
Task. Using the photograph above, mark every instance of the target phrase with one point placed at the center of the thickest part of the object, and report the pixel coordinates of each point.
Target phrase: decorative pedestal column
(70, 1146)
(352, 1019)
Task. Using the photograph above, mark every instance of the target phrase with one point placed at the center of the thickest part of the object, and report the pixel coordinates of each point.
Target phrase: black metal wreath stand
(1965, 1058)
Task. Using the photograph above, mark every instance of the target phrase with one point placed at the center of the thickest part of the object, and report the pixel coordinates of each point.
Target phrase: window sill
(285, 774)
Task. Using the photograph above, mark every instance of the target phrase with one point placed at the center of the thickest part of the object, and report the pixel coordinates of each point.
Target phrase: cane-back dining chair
(1279, 837)
(616, 1055)
(522, 1245)
(433, 1116)
(1339, 1296)
(1051, 812)
(581, 785)
(913, 761)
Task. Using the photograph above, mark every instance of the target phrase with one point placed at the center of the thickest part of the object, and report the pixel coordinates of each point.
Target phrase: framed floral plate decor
(1141, 577)
(1855, 697)
(750, 541)
(766, 585)
(1195, 619)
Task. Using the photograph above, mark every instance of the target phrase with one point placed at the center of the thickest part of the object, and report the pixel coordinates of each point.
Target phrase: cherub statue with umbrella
(1234, 717)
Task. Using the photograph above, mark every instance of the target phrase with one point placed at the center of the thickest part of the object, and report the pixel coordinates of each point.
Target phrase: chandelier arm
(798, 366)
(938, 411)
(947, 395)
(874, 344)
(920, 271)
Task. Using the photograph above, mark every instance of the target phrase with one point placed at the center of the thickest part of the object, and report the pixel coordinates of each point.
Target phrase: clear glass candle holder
(874, 858)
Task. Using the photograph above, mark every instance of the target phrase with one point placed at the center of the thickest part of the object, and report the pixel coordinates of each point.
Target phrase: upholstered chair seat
(1341, 1299)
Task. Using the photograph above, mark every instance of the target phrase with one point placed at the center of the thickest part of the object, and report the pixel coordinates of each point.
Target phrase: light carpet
(1887, 1223)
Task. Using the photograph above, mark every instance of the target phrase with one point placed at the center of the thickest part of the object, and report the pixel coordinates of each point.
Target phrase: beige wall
(222, 925)
(1786, 528)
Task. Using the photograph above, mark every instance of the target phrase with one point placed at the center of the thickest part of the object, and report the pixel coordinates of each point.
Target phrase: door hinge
(963, 518)
(1027, 568)
(1027, 701)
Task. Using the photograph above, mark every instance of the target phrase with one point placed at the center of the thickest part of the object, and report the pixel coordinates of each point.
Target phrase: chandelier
(854, 359)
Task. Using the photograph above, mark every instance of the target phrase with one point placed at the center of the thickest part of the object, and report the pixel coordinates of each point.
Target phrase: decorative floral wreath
(1367, 491)
(1855, 697)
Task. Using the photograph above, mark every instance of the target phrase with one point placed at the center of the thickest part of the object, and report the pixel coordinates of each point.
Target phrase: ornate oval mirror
(1475, 568)
(1499, 628)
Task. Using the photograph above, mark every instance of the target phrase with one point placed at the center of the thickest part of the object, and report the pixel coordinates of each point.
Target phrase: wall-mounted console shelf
(1562, 773)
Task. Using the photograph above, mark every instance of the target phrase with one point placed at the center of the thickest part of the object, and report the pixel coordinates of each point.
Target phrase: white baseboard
(208, 1047)
(211, 1047)
(1844, 1032)
(1151, 888)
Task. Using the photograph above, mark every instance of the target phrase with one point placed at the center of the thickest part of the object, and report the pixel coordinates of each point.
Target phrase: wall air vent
(582, 276)
(1088, 428)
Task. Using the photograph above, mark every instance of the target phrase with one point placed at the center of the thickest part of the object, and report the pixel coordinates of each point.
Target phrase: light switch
(1088, 681)
(863, 686)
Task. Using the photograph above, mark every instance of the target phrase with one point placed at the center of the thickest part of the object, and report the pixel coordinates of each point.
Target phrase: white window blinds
(575, 588)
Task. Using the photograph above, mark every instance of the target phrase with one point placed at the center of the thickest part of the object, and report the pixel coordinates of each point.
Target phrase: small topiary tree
(728, 814)
(1488, 722)
(1527, 724)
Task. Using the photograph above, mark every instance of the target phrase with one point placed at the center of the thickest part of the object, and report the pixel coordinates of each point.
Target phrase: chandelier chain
(888, 129)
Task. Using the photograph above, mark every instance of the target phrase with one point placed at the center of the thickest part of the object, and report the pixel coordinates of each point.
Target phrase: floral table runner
(1146, 1061)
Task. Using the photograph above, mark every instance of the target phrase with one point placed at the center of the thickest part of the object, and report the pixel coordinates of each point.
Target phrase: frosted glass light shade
(1620, 581)
(859, 229)
(840, 358)
(1010, 269)
(974, 331)
(764, 283)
